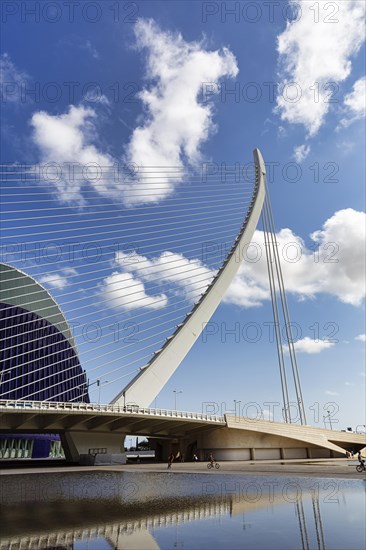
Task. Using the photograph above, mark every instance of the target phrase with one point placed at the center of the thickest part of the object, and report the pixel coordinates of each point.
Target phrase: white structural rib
(147, 384)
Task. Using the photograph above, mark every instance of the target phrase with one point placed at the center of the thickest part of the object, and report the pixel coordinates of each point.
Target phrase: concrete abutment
(93, 448)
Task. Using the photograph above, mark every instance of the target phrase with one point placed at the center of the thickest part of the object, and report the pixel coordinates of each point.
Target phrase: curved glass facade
(37, 361)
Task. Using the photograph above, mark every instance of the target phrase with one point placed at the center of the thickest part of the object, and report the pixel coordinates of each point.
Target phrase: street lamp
(175, 398)
(99, 384)
(330, 420)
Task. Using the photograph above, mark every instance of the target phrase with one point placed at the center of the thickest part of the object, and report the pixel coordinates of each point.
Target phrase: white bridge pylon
(148, 383)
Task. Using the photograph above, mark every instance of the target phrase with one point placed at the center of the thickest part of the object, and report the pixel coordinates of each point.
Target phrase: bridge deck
(48, 416)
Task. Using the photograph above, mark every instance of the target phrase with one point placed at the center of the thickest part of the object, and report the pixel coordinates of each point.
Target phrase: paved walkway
(337, 468)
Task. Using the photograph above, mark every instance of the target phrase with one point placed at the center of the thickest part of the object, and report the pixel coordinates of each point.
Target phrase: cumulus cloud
(332, 393)
(316, 55)
(355, 103)
(190, 277)
(65, 140)
(128, 292)
(174, 273)
(248, 289)
(308, 345)
(176, 124)
(58, 280)
(12, 80)
(361, 338)
(336, 268)
(301, 152)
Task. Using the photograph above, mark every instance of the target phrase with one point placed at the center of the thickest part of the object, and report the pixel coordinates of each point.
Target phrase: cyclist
(360, 459)
(211, 459)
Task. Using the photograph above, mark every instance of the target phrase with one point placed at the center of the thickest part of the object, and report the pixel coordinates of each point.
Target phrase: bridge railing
(95, 407)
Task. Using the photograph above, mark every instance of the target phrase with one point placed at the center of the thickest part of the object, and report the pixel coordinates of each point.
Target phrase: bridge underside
(86, 434)
(247, 439)
(99, 433)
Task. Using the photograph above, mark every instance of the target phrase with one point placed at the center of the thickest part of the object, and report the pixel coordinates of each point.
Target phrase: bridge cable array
(281, 315)
(126, 261)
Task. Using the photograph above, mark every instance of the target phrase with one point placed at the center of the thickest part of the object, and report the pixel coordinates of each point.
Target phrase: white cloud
(361, 337)
(54, 280)
(356, 100)
(332, 393)
(191, 276)
(127, 292)
(301, 152)
(12, 80)
(248, 288)
(313, 54)
(344, 232)
(65, 139)
(355, 103)
(173, 272)
(309, 346)
(337, 268)
(175, 124)
(57, 280)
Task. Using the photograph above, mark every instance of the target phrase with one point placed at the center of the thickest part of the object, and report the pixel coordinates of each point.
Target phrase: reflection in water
(140, 511)
(318, 523)
(302, 524)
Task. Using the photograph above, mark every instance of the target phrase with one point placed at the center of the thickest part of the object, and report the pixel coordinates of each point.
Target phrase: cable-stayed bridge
(117, 281)
(126, 266)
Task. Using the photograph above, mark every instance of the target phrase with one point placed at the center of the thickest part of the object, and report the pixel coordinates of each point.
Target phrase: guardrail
(127, 409)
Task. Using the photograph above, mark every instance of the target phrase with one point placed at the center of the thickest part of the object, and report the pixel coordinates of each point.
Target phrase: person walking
(170, 460)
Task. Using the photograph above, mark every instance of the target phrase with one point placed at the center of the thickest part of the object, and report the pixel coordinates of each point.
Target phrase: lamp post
(330, 420)
(175, 398)
(99, 384)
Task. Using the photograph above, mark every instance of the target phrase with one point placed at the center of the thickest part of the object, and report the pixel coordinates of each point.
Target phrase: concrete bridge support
(93, 448)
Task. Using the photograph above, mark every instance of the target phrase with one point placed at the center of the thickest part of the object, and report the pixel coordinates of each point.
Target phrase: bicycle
(361, 468)
(213, 465)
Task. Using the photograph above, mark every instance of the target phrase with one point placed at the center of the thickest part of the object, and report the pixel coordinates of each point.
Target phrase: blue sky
(145, 83)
